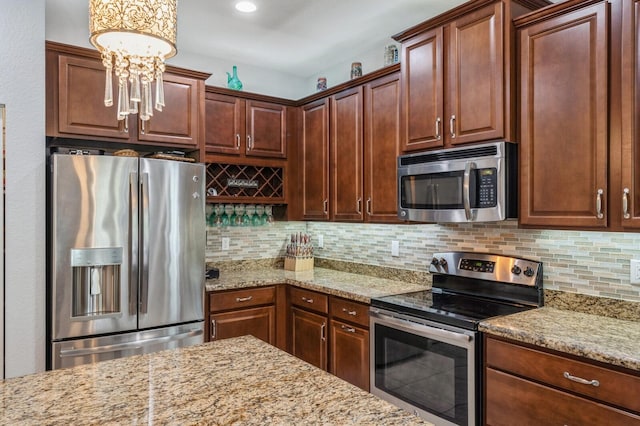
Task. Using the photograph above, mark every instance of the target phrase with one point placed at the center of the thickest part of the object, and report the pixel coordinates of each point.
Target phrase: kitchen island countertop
(358, 287)
(239, 381)
(599, 338)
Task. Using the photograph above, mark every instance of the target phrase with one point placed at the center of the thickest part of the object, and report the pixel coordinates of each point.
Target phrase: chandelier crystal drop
(134, 37)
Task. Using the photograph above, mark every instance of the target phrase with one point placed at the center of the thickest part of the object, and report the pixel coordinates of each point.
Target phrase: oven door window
(435, 191)
(424, 372)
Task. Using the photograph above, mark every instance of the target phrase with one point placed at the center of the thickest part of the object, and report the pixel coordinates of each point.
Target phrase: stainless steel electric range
(426, 350)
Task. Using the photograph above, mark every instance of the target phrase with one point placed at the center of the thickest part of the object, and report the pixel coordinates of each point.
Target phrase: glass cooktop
(450, 308)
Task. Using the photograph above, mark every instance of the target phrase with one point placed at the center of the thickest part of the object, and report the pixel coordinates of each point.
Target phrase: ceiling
(297, 37)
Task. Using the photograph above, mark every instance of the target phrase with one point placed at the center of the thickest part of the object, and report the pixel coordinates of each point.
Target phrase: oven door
(424, 367)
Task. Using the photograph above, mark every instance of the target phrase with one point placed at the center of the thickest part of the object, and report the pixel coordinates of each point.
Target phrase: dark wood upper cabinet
(314, 147)
(458, 73)
(345, 150)
(244, 127)
(381, 148)
(564, 107)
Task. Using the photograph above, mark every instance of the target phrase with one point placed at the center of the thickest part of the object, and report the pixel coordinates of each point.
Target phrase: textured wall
(593, 263)
(22, 75)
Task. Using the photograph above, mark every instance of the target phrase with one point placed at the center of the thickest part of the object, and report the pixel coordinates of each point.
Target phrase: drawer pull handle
(243, 299)
(581, 380)
(353, 313)
(304, 299)
(348, 329)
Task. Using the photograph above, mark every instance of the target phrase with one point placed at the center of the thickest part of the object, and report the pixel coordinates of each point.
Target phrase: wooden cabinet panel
(564, 119)
(223, 115)
(308, 299)
(315, 160)
(422, 91)
(511, 400)
(614, 387)
(350, 311)
(178, 122)
(476, 80)
(258, 322)
(80, 104)
(345, 149)
(266, 129)
(350, 353)
(629, 191)
(381, 148)
(309, 337)
(240, 299)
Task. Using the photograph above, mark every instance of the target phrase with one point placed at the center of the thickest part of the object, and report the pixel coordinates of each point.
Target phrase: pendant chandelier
(134, 37)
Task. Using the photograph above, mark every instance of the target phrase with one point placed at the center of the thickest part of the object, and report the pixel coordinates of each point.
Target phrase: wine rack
(236, 183)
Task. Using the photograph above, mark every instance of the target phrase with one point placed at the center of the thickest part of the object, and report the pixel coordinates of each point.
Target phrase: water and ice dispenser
(96, 281)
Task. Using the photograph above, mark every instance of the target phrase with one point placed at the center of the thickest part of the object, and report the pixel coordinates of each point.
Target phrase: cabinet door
(563, 120)
(266, 129)
(474, 91)
(315, 160)
(177, 123)
(346, 156)
(309, 337)
(381, 148)
(629, 191)
(514, 401)
(224, 118)
(258, 322)
(422, 91)
(350, 353)
(81, 109)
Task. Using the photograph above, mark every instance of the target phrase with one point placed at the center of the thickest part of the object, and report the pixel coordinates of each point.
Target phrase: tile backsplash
(584, 262)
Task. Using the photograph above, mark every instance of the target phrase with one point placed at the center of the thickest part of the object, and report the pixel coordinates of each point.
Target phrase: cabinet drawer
(614, 387)
(308, 299)
(350, 311)
(514, 401)
(238, 299)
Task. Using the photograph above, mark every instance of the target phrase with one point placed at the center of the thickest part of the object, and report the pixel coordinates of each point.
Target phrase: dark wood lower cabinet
(258, 322)
(309, 337)
(349, 353)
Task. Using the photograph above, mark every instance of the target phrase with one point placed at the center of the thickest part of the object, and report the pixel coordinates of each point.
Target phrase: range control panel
(487, 266)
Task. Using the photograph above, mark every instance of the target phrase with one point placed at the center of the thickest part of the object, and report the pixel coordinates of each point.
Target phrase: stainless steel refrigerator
(127, 257)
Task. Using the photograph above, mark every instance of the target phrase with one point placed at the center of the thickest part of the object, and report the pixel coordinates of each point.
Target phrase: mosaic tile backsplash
(590, 263)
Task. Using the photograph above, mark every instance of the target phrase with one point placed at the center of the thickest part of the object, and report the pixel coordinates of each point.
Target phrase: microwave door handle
(466, 190)
(144, 242)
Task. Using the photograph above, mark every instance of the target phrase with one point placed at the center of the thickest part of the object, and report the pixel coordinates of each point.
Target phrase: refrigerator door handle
(138, 344)
(133, 242)
(144, 242)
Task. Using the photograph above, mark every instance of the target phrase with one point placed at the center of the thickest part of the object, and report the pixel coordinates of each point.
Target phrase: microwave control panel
(487, 187)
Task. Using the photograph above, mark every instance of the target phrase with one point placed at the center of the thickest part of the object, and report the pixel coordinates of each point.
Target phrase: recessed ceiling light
(246, 6)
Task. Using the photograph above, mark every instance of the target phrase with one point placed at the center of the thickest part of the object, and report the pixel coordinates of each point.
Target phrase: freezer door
(85, 351)
(93, 219)
(172, 242)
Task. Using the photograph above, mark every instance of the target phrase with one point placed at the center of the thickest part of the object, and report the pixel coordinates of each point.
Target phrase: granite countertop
(239, 381)
(595, 337)
(358, 287)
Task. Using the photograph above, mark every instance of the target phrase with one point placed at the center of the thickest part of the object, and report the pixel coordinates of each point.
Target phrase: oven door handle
(422, 329)
(466, 189)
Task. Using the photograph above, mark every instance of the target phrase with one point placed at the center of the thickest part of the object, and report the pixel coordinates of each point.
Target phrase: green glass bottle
(233, 82)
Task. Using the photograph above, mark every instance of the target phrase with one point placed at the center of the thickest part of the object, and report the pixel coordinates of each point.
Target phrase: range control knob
(528, 271)
(434, 261)
(516, 270)
(443, 262)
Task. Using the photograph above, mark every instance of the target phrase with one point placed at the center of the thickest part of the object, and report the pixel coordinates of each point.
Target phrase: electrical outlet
(395, 248)
(320, 241)
(225, 243)
(634, 271)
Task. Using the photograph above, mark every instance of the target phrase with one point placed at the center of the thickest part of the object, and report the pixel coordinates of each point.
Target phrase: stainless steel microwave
(475, 183)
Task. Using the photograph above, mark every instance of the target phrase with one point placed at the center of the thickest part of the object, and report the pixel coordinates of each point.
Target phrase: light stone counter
(240, 381)
(609, 340)
(358, 287)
